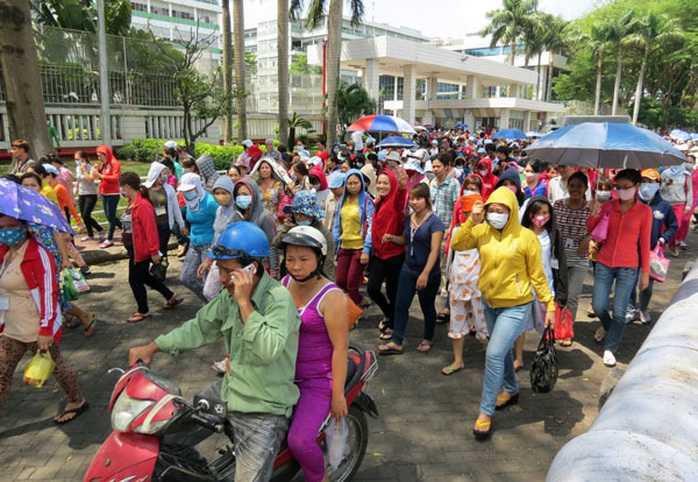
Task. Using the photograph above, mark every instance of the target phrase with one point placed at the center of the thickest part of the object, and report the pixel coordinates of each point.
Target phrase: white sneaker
(600, 334)
(630, 316)
(645, 317)
(608, 358)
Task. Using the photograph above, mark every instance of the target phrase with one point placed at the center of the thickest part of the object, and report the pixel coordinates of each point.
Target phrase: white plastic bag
(336, 439)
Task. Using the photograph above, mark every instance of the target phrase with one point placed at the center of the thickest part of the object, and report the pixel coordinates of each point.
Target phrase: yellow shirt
(351, 225)
(48, 192)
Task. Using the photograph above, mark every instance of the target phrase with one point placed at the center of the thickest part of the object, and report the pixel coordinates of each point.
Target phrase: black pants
(138, 277)
(86, 204)
(388, 270)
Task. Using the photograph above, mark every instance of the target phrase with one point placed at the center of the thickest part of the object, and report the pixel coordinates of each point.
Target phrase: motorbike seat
(351, 371)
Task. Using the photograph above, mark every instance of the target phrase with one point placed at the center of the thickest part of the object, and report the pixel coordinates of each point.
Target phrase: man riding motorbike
(257, 318)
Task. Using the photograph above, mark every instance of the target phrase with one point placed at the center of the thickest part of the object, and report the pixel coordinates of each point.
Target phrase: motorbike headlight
(126, 410)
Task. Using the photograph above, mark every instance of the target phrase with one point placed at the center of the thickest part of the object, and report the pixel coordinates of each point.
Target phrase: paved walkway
(424, 429)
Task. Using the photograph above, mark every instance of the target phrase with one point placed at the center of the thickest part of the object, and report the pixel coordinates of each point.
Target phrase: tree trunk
(640, 81)
(549, 83)
(282, 52)
(616, 86)
(227, 73)
(334, 50)
(512, 54)
(239, 54)
(25, 99)
(599, 76)
(537, 97)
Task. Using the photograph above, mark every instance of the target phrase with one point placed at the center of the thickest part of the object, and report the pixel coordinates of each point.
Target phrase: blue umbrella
(462, 125)
(533, 134)
(680, 135)
(396, 142)
(23, 203)
(510, 134)
(605, 145)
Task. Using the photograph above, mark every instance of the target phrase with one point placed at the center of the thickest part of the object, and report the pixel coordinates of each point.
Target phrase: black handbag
(544, 368)
(159, 271)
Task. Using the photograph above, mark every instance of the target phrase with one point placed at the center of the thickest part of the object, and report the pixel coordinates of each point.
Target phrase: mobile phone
(250, 268)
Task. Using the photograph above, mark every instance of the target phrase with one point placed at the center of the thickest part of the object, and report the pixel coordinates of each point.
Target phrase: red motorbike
(145, 408)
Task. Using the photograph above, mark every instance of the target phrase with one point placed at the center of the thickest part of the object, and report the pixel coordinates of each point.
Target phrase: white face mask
(497, 220)
(603, 196)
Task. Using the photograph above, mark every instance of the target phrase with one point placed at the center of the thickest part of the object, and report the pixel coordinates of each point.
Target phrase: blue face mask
(468, 192)
(12, 236)
(190, 195)
(648, 190)
(688, 166)
(243, 202)
(305, 222)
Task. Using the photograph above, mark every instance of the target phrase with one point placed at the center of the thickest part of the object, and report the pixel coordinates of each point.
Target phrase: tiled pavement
(425, 423)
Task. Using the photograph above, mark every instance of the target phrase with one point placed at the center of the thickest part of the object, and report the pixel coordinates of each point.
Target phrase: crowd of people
(279, 247)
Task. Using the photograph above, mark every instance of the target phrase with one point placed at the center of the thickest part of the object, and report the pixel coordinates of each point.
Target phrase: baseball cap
(51, 170)
(171, 144)
(650, 174)
(393, 156)
(247, 143)
(314, 161)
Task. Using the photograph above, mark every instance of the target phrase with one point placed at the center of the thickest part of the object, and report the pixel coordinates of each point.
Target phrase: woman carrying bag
(143, 247)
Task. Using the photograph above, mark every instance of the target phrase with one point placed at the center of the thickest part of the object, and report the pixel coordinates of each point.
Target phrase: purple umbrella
(22, 203)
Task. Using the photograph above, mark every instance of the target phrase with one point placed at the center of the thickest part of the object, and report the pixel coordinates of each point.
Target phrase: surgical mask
(468, 192)
(222, 199)
(540, 220)
(315, 186)
(305, 222)
(300, 147)
(483, 172)
(497, 220)
(648, 190)
(243, 202)
(603, 196)
(12, 236)
(336, 151)
(529, 175)
(164, 178)
(190, 195)
(626, 194)
(513, 188)
(688, 166)
(123, 194)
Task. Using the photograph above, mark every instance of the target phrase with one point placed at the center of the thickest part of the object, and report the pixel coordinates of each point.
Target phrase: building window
(139, 7)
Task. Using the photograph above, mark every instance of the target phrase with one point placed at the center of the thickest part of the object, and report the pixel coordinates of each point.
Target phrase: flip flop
(384, 325)
(424, 347)
(443, 317)
(502, 403)
(77, 411)
(448, 371)
(172, 302)
(92, 327)
(482, 435)
(386, 335)
(136, 317)
(566, 343)
(387, 349)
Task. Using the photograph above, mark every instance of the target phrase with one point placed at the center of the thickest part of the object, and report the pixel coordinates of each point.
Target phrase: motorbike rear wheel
(357, 441)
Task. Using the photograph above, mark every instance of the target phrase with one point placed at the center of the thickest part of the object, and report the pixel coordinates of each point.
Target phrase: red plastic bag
(564, 324)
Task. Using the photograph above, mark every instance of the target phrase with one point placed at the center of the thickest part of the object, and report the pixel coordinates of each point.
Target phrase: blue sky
(435, 18)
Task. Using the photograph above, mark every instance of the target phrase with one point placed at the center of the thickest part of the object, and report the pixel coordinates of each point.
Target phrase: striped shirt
(443, 198)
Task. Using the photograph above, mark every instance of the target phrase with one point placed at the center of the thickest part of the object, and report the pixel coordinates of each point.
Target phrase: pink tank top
(314, 345)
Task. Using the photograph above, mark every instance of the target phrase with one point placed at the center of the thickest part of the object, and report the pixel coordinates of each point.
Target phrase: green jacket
(262, 351)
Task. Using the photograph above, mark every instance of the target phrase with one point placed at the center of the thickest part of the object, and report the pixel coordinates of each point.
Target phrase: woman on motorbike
(321, 367)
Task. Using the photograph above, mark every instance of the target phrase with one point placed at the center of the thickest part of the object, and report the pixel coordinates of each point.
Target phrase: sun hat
(170, 144)
(336, 180)
(51, 169)
(393, 156)
(314, 161)
(305, 202)
(413, 165)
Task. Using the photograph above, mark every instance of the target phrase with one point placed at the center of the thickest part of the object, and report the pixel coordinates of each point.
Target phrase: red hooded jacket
(110, 171)
(389, 218)
(489, 181)
(146, 240)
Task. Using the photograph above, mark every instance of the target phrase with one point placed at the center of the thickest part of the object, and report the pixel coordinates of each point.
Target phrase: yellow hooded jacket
(510, 259)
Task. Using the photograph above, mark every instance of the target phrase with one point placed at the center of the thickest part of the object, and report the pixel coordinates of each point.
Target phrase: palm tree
(227, 72)
(334, 46)
(618, 30)
(295, 122)
(353, 101)
(510, 23)
(239, 58)
(282, 20)
(650, 33)
(554, 40)
(599, 41)
(534, 36)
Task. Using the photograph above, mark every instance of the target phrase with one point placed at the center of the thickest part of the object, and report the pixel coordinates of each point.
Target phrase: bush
(141, 150)
(223, 156)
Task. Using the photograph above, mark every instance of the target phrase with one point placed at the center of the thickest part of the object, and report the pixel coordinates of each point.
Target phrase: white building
(434, 85)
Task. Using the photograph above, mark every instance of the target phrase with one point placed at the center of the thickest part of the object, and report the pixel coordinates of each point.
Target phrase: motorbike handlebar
(209, 422)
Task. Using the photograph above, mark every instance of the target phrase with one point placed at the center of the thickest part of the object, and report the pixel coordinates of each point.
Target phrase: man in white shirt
(557, 188)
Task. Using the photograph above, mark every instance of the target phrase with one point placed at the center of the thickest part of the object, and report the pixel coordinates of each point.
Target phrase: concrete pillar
(432, 90)
(371, 78)
(527, 121)
(473, 87)
(514, 90)
(409, 93)
(504, 119)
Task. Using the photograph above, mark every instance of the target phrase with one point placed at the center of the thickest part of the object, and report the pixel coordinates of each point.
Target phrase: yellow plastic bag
(39, 369)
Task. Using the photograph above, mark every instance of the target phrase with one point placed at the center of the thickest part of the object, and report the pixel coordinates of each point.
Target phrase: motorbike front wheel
(357, 441)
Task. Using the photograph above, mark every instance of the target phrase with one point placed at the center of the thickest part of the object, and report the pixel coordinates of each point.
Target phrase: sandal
(444, 316)
(566, 342)
(76, 412)
(386, 336)
(389, 349)
(385, 324)
(136, 317)
(172, 302)
(504, 401)
(92, 327)
(482, 434)
(424, 347)
(72, 321)
(449, 370)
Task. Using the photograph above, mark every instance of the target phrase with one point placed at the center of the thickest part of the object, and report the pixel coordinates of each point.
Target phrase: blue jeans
(505, 325)
(406, 286)
(195, 256)
(625, 279)
(645, 295)
(110, 203)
